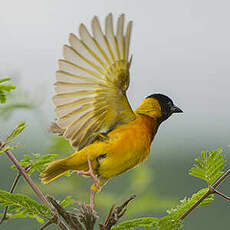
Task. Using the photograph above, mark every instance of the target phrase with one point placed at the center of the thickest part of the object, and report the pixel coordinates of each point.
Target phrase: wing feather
(127, 39)
(92, 44)
(84, 50)
(120, 37)
(110, 35)
(101, 40)
(75, 57)
(92, 80)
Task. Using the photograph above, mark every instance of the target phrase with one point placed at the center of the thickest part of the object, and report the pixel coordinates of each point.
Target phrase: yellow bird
(93, 111)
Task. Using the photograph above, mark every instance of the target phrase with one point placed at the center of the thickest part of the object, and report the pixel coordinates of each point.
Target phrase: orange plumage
(93, 110)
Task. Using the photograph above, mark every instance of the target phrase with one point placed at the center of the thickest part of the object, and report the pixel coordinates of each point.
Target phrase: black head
(167, 106)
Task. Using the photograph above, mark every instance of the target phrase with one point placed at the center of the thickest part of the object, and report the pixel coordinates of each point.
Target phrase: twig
(45, 225)
(87, 216)
(109, 215)
(196, 204)
(11, 191)
(86, 219)
(70, 219)
(23, 172)
(222, 195)
(212, 190)
(27, 177)
(221, 179)
(115, 214)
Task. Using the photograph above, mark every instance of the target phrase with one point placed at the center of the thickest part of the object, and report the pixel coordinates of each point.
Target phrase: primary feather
(92, 81)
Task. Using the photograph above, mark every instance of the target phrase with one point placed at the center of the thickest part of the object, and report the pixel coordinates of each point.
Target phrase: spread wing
(91, 82)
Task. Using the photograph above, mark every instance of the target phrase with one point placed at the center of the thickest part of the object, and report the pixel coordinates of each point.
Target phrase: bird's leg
(89, 173)
(92, 199)
(96, 183)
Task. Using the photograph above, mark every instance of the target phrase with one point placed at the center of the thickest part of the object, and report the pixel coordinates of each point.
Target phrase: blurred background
(180, 48)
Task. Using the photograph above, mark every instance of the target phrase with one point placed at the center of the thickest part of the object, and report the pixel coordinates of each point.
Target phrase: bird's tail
(54, 170)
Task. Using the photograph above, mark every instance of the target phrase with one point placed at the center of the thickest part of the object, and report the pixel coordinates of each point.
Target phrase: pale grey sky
(180, 48)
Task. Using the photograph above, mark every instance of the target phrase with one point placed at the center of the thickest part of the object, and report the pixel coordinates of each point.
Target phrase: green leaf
(9, 148)
(4, 149)
(187, 203)
(7, 87)
(147, 222)
(24, 215)
(22, 206)
(36, 161)
(4, 89)
(4, 80)
(172, 221)
(17, 130)
(169, 223)
(39, 163)
(67, 202)
(209, 166)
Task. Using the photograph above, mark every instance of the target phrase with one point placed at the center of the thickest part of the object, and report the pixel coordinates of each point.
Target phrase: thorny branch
(23, 172)
(115, 214)
(212, 190)
(70, 218)
(86, 218)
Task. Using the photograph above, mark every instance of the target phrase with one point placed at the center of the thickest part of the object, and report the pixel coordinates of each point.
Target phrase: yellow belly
(129, 145)
(126, 147)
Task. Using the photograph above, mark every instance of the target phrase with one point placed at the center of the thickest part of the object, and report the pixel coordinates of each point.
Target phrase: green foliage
(209, 167)
(16, 131)
(36, 161)
(22, 206)
(165, 223)
(8, 148)
(147, 222)
(186, 203)
(5, 89)
(169, 223)
(67, 202)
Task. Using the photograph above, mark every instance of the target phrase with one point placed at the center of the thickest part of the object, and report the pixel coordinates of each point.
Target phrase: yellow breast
(129, 145)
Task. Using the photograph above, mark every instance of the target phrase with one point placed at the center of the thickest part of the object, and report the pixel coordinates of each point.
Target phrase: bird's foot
(90, 173)
(96, 182)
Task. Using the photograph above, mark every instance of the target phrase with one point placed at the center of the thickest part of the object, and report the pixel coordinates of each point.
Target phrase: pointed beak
(176, 109)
